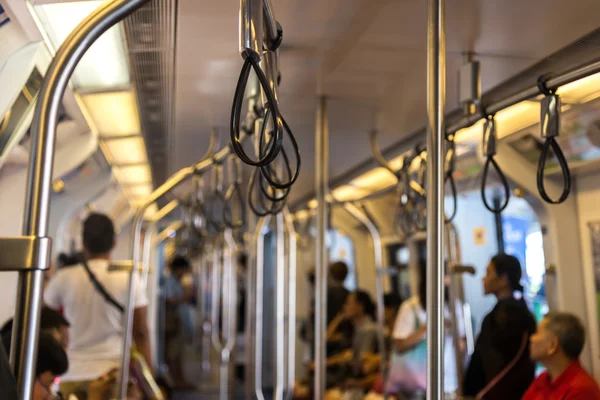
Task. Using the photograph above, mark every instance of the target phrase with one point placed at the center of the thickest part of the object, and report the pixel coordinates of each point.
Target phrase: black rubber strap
(503, 180)
(564, 166)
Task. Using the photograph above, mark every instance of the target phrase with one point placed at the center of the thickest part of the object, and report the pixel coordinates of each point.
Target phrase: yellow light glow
(313, 204)
(508, 121)
(127, 151)
(133, 175)
(301, 215)
(104, 65)
(113, 113)
(348, 193)
(581, 91)
(138, 192)
(151, 211)
(376, 179)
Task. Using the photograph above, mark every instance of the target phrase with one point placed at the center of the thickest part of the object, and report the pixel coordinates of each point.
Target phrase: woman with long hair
(500, 367)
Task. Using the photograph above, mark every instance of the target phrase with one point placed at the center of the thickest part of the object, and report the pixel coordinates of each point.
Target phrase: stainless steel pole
(459, 356)
(436, 93)
(280, 375)
(291, 270)
(257, 335)
(23, 352)
(378, 259)
(321, 178)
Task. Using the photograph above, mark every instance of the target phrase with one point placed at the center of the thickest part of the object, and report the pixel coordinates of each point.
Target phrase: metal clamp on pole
(29, 292)
(489, 144)
(550, 126)
(378, 266)
(25, 253)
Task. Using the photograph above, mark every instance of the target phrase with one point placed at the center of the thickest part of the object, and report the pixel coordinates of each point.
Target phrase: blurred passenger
(557, 344)
(51, 363)
(176, 297)
(8, 385)
(500, 367)
(51, 322)
(408, 373)
(93, 299)
(242, 270)
(391, 303)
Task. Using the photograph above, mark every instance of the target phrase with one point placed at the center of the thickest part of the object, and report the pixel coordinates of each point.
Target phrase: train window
(341, 248)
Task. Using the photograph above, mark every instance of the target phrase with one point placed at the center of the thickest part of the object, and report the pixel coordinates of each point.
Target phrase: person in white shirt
(409, 335)
(97, 329)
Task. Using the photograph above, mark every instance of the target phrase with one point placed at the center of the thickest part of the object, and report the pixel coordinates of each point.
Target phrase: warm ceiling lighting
(133, 174)
(301, 215)
(105, 64)
(348, 193)
(376, 179)
(508, 121)
(313, 204)
(581, 91)
(113, 113)
(138, 192)
(129, 150)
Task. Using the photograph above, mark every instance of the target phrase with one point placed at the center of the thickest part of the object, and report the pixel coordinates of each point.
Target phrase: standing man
(92, 299)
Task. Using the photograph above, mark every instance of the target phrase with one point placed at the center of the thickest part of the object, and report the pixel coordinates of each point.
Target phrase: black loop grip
(551, 143)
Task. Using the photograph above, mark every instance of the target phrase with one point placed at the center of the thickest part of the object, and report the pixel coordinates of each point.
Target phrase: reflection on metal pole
(436, 86)
(23, 352)
(378, 258)
(204, 306)
(453, 299)
(321, 179)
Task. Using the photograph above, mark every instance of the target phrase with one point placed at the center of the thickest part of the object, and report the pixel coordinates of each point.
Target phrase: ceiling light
(376, 179)
(313, 204)
(348, 193)
(113, 113)
(130, 150)
(581, 91)
(133, 174)
(104, 65)
(139, 192)
(508, 121)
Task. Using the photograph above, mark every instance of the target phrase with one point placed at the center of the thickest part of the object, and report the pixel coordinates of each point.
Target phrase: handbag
(408, 370)
(138, 368)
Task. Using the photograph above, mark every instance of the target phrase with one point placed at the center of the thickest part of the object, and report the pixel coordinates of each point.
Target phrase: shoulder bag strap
(100, 289)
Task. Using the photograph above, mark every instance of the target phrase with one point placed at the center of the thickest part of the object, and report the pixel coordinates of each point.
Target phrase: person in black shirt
(8, 386)
(500, 367)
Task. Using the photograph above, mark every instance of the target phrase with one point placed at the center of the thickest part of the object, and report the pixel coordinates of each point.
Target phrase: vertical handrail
(436, 93)
(258, 325)
(322, 188)
(147, 245)
(280, 367)
(378, 257)
(453, 299)
(23, 352)
(204, 306)
(224, 289)
(291, 254)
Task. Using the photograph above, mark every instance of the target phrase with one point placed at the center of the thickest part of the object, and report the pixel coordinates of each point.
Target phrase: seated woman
(349, 365)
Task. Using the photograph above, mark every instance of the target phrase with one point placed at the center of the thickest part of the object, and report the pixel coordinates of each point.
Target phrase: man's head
(559, 335)
(338, 271)
(98, 236)
(179, 266)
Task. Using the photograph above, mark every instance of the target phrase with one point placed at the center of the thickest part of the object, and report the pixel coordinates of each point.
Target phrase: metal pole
(23, 352)
(280, 373)
(378, 258)
(257, 335)
(291, 254)
(436, 93)
(321, 178)
(453, 298)
(204, 306)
